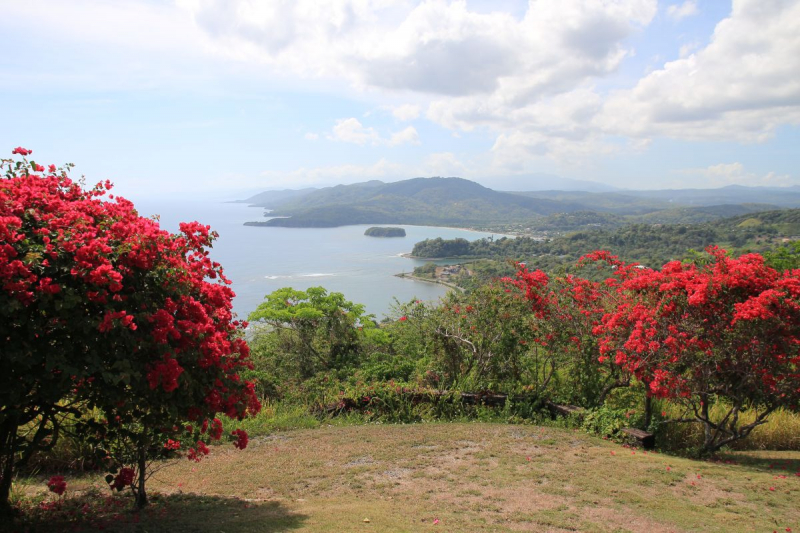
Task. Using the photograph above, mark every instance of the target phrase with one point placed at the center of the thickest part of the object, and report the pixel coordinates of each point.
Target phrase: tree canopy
(99, 307)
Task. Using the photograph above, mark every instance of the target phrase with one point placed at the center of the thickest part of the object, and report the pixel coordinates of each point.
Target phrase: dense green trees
(304, 333)
(647, 244)
(385, 232)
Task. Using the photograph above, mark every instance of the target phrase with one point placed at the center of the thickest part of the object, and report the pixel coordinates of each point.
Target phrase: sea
(260, 260)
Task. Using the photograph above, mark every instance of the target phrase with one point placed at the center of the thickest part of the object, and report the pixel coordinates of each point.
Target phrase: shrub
(100, 308)
(725, 332)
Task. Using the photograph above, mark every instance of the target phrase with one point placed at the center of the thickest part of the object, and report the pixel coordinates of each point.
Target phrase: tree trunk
(708, 441)
(648, 410)
(141, 492)
(8, 438)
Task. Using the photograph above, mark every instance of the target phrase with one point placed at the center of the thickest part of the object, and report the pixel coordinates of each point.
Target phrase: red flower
(123, 479)
(196, 455)
(403, 318)
(216, 429)
(57, 484)
(241, 438)
(21, 151)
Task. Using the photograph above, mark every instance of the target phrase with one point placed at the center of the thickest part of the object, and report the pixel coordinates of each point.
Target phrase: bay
(259, 260)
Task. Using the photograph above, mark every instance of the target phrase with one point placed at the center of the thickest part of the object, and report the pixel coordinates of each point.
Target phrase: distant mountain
(423, 201)
(631, 202)
(460, 202)
(732, 194)
(619, 203)
(696, 215)
(548, 182)
(272, 199)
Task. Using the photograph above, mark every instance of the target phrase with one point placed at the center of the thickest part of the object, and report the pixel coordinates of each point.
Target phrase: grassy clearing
(468, 477)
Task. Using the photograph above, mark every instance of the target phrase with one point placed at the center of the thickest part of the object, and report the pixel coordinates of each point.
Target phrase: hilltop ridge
(460, 202)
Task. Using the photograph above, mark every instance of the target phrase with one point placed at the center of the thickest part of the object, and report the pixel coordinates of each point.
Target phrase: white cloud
(329, 175)
(121, 45)
(513, 151)
(536, 80)
(680, 11)
(434, 47)
(724, 174)
(406, 136)
(351, 130)
(406, 112)
(310, 136)
(444, 164)
(740, 87)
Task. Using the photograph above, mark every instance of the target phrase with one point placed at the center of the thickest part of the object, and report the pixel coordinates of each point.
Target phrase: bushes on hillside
(717, 330)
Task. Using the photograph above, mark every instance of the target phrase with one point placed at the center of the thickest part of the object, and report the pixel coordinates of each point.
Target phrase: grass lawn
(464, 477)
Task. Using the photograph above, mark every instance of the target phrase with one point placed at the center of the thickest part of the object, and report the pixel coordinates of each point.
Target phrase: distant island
(376, 231)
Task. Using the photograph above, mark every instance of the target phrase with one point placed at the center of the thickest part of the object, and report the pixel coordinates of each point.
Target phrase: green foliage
(385, 232)
(607, 421)
(440, 248)
(485, 341)
(306, 332)
(786, 257)
(428, 270)
(648, 244)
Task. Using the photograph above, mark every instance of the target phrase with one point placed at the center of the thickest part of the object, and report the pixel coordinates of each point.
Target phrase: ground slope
(471, 477)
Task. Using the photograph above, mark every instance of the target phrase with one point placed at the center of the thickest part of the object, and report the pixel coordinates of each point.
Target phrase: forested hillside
(459, 202)
(420, 201)
(649, 244)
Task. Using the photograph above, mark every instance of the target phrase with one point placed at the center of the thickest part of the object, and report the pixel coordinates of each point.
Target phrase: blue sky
(220, 98)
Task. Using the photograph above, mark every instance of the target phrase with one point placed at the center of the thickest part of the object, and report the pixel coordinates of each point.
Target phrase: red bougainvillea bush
(101, 308)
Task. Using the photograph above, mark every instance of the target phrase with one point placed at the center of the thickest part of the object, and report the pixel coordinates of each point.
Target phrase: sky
(222, 98)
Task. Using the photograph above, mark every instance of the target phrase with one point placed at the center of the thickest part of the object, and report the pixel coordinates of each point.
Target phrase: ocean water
(259, 260)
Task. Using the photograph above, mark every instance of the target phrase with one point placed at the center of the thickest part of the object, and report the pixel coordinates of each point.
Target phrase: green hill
(460, 202)
(422, 201)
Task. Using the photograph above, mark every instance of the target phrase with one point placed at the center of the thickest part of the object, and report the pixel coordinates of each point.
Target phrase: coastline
(428, 280)
(498, 234)
(408, 255)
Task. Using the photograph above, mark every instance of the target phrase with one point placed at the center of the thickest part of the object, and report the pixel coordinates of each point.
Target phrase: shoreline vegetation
(410, 255)
(408, 275)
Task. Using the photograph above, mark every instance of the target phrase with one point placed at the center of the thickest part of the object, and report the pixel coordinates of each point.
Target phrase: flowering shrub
(57, 485)
(565, 310)
(123, 479)
(241, 439)
(728, 329)
(101, 307)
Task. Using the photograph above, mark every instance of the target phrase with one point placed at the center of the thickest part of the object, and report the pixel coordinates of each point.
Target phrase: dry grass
(781, 432)
(471, 477)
